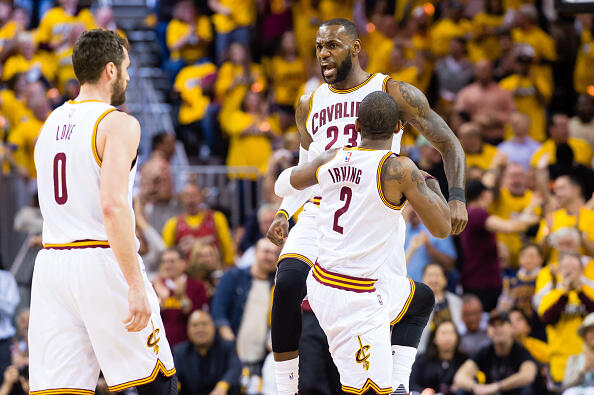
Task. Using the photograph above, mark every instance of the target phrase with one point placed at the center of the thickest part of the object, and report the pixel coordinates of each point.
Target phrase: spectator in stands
(521, 147)
(566, 164)
(481, 273)
(206, 266)
(582, 124)
(15, 381)
(163, 145)
(255, 229)
(531, 92)
(178, 294)
(422, 248)
(453, 72)
(563, 309)
(478, 153)
(400, 68)
(232, 20)
(507, 366)
(559, 130)
(505, 63)
(66, 15)
(26, 60)
(9, 299)
(198, 223)
(583, 76)
(448, 306)
(188, 37)
(487, 103)
(20, 342)
(156, 192)
(151, 242)
(473, 334)
(571, 212)
(430, 160)
(521, 331)
(105, 19)
(206, 363)
(579, 370)
(519, 286)
(486, 26)
(242, 298)
(287, 72)
(435, 368)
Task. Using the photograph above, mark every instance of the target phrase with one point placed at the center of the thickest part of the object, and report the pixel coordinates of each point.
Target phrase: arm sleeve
(292, 203)
(552, 306)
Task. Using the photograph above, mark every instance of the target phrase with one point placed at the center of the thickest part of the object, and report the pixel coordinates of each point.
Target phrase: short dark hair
(474, 189)
(349, 26)
(378, 116)
(93, 50)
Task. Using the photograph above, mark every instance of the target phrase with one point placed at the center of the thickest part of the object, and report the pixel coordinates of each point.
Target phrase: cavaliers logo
(362, 356)
(152, 340)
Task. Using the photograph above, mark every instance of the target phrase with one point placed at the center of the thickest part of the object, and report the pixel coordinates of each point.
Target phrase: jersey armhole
(311, 98)
(379, 184)
(385, 83)
(94, 136)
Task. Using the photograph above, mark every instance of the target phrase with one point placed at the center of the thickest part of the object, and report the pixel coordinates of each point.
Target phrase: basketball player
(92, 306)
(363, 191)
(325, 120)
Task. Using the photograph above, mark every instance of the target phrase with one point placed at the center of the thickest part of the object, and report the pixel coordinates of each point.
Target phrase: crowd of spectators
(513, 79)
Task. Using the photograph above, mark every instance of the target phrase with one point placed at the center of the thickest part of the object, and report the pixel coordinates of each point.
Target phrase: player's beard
(342, 71)
(118, 95)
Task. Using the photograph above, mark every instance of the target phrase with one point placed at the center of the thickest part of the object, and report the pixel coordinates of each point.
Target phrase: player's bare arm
(400, 178)
(297, 178)
(415, 109)
(279, 229)
(118, 135)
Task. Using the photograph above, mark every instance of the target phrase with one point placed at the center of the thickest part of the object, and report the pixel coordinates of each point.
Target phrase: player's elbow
(112, 207)
(442, 229)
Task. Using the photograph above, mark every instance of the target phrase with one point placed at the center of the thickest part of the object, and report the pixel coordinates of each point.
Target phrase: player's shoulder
(119, 122)
(397, 168)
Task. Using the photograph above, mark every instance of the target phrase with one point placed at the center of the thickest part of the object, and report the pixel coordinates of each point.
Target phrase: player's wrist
(282, 213)
(457, 193)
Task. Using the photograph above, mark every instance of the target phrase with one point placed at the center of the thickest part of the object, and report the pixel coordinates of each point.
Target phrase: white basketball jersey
(332, 114)
(68, 172)
(360, 229)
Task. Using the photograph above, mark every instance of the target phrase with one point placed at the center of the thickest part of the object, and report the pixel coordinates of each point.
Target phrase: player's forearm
(120, 234)
(292, 203)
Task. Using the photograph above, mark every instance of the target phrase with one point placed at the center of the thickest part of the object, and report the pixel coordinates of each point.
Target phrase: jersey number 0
(60, 191)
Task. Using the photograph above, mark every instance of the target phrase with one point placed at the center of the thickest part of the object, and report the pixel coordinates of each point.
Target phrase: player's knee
(423, 300)
(289, 288)
(160, 386)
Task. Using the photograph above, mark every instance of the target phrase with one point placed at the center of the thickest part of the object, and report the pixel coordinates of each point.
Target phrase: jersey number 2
(60, 191)
(346, 194)
(332, 133)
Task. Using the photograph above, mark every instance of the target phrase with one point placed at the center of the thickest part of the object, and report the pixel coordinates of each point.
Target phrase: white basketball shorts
(79, 299)
(302, 242)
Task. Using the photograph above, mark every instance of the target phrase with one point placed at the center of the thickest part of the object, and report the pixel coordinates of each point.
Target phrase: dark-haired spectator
(486, 26)
(559, 130)
(422, 248)
(448, 306)
(232, 20)
(531, 92)
(178, 294)
(453, 72)
(287, 72)
(255, 228)
(566, 164)
(481, 272)
(504, 64)
(206, 363)
(453, 26)
(198, 223)
(579, 370)
(243, 289)
(473, 332)
(205, 265)
(521, 330)
(563, 309)
(487, 103)
(521, 147)
(519, 286)
(581, 125)
(188, 36)
(435, 369)
(163, 144)
(156, 192)
(507, 366)
(478, 153)
(9, 299)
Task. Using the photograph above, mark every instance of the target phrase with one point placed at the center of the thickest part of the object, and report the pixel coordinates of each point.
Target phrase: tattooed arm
(400, 178)
(414, 108)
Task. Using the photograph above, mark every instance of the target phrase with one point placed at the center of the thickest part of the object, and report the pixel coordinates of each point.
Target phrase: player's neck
(94, 92)
(375, 144)
(355, 77)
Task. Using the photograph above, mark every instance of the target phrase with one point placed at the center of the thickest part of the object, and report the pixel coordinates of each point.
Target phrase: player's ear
(357, 125)
(111, 69)
(356, 47)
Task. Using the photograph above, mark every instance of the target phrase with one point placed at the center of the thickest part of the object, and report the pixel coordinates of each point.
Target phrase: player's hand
(459, 216)
(140, 310)
(279, 230)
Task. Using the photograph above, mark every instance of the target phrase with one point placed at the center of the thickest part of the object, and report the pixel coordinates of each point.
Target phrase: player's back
(68, 174)
(360, 228)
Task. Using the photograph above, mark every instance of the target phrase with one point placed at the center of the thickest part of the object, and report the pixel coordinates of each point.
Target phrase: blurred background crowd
(214, 84)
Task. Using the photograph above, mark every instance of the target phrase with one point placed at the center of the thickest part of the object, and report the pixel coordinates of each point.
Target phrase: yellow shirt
(305, 31)
(544, 47)
(24, 136)
(443, 31)
(56, 24)
(253, 150)
(583, 75)
(330, 9)
(287, 77)
(243, 13)
(378, 47)
(509, 206)
(482, 160)
(487, 46)
(19, 64)
(538, 349)
(582, 152)
(188, 83)
(15, 110)
(231, 97)
(408, 74)
(8, 32)
(177, 29)
(524, 91)
(223, 234)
